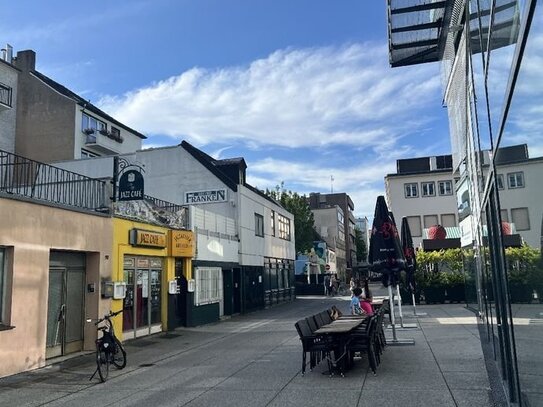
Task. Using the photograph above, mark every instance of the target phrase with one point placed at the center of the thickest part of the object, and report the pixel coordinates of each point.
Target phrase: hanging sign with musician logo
(131, 186)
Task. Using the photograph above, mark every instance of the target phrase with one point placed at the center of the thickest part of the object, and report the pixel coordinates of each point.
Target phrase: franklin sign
(203, 197)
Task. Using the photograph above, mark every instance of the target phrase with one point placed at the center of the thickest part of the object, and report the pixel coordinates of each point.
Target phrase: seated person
(355, 302)
(365, 299)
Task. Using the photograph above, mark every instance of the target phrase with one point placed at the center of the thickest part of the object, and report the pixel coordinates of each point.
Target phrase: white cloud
(292, 98)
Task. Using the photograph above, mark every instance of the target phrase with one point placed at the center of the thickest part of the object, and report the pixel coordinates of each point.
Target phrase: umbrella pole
(414, 306)
(399, 304)
(391, 302)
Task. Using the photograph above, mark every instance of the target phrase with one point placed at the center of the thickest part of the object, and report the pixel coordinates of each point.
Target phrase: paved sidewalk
(255, 360)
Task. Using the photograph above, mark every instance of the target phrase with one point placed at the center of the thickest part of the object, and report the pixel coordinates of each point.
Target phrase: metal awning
(414, 30)
(418, 29)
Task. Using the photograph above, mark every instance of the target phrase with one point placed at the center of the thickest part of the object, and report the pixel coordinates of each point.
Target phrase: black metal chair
(364, 342)
(312, 324)
(317, 348)
(326, 318)
(318, 320)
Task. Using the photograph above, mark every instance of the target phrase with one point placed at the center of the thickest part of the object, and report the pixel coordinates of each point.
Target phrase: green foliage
(361, 249)
(523, 265)
(440, 268)
(304, 222)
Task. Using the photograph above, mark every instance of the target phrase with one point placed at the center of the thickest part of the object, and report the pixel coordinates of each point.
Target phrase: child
(355, 302)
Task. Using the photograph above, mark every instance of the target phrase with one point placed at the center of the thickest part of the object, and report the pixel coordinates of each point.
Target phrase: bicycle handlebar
(108, 316)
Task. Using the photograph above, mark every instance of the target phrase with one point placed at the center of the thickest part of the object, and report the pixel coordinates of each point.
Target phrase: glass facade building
(491, 54)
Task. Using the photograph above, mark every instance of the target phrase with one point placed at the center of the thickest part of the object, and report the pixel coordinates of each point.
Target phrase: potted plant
(521, 272)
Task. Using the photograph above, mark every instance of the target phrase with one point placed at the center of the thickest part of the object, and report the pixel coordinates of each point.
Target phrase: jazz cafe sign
(203, 197)
(131, 186)
(147, 238)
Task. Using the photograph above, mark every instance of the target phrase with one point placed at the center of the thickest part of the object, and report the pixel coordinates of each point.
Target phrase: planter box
(521, 293)
(435, 294)
(456, 293)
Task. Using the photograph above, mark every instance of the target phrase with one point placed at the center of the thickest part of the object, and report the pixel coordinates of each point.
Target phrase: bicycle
(109, 349)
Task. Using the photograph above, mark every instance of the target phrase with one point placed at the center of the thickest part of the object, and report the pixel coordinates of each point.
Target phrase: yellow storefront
(146, 258)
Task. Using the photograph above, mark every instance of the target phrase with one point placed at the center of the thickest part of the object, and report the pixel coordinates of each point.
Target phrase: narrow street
(255, 360)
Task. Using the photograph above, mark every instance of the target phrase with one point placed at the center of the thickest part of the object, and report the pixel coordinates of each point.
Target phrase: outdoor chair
(318, 349)
(326, 317)
(380, 339)
(364, 342)
(318, 320)
(312, 324)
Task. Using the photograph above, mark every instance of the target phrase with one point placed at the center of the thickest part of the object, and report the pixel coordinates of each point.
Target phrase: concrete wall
(30, 232)
(8, 77)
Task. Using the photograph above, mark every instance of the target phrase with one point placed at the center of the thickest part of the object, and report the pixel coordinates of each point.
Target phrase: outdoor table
(340, 329)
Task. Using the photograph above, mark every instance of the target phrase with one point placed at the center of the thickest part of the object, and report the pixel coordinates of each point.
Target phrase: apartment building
(54, 123)
(343, 201)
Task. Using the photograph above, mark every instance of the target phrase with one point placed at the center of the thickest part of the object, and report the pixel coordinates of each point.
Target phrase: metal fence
(167, 206)
(42, 182)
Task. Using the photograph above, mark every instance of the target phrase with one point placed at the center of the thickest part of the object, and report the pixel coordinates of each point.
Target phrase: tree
(361, 249)
(304, 222)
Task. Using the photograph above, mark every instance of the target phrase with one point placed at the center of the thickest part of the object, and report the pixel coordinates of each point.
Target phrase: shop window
(208, 285)
(448, 220)
(259, 225)
(445, 187)
(428, 188)
(520, 218)
(414, 226)
(430, 220)
(411, 190)
(515, 180)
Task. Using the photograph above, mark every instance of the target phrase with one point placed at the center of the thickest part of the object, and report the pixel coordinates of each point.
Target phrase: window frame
(427, 184)
(516, 173)
(513, 210)
(259, 225)
(412, 186)
(500, 180)
(5, 287)
(208, 288)
(445, 182)
(284, 227)
(272, 223)
(86, 123)
(412, 229)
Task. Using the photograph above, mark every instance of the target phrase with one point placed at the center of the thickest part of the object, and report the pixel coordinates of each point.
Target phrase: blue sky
(301, 89)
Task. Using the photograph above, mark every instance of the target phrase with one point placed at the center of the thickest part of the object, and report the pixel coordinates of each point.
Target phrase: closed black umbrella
(409, 254)
(385, 254)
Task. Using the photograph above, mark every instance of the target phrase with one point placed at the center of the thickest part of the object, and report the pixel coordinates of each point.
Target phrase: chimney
(26, 60)
(7, 53)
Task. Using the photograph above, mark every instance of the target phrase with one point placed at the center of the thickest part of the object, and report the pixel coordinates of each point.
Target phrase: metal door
(65, 308)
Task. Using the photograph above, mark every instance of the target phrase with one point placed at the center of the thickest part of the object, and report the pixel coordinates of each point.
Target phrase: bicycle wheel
(119, 356)
(102, 363)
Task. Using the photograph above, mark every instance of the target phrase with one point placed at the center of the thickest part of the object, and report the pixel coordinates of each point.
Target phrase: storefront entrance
(142, 304)
(65, 305)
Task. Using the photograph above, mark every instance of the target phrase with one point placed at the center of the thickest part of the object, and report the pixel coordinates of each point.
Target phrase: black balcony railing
(167, 206)
(5, 95)
(42, 182)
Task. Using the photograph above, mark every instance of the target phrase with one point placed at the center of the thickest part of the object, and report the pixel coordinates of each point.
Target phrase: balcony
(23, 178)
(102, 141)
(5, 97)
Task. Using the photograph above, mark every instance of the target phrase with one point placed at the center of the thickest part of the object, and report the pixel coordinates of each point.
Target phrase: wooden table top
(339, 326)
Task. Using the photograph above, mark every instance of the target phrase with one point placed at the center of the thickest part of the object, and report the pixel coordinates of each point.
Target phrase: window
(272, 223)
(284, 227)
(208, 285)
(499, 180)
(4, 291)
(5, 95)
(430, 220)
(520, 218)
(340, 217)
(428, 188)
(504, 216)
(444, 187)
(259, 225)
(448, 220)
(515, 179)
(89, 122)
(414, 226)
(411, 190)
